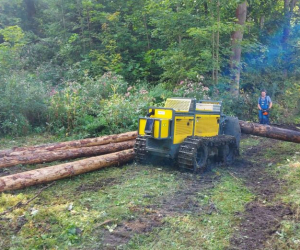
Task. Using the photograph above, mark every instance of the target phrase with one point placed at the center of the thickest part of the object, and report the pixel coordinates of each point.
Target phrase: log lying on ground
(270, 131)
(66, 154)
(72, 144)
(43, 175)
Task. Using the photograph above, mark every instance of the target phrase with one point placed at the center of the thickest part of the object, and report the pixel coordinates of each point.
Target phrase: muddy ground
(258, 222)
(182, 202)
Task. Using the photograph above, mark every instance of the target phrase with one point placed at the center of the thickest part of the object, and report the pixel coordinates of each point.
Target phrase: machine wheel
(228, 153)
(193, 154)
(200, 158)
(232, 127)
(201, 153)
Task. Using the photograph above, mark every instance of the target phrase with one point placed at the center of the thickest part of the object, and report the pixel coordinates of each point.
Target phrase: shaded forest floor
(252, 204)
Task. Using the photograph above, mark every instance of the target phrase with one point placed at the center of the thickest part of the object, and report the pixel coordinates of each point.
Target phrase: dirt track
(258, 223)
(182, 202)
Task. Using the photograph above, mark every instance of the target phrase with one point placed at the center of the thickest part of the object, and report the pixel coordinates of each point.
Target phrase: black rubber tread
(187, 156)
(228, 152)
(140, 149)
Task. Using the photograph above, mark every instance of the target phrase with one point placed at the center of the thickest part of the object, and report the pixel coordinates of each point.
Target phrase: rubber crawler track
(140, 149)
(188, 151)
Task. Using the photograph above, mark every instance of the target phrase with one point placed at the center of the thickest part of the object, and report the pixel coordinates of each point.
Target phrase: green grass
(207, 231)
(249, 143)
(30, 140)
(54, 226)
(69, 214)
(288, 235)
(284, 163)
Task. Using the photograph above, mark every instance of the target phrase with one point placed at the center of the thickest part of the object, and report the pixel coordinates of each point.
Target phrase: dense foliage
(92, 67)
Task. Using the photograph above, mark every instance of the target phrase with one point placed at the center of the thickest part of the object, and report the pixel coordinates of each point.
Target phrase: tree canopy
(155, 42)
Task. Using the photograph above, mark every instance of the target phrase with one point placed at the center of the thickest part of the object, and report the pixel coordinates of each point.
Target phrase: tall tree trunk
(213, 42)
(31, 11)
(63, 17)
(88, 19)
(147, 32)
(289, 6)
(79, 9)
(262, 22)
(218, 42)
(237, 37)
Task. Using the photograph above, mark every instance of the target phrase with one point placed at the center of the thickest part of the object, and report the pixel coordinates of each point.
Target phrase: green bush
(107, 104)
(285, 98)
(189, 88)
(120, 112)
(22, 104)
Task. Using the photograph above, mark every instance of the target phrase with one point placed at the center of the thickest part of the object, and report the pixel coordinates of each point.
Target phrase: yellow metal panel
(164, 128)
(207, 125)
(213, 107)
(142, 125)
(183, 128)
(162, 113)
(181, 105)
(156, 129)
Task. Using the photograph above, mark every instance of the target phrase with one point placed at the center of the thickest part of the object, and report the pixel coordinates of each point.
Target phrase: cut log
(270, 131)
(42, 156)
(73, 144)
(43, 175)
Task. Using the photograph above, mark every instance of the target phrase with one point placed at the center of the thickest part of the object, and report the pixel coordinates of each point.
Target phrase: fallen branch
(234, 176)
(21, 204)
(104, 223)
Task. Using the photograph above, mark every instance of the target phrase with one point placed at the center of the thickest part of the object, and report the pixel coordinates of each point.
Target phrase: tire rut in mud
(181, 202)
(259, 222)
(262, 217)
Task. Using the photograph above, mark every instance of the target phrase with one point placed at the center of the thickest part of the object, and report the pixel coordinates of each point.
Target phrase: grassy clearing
(30, 140)
(249, 142)
(287, 167)
(70, 214)
(210, 230)
(67, 213)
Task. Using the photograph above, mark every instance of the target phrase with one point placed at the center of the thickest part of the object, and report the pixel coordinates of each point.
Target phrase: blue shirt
(268, 99)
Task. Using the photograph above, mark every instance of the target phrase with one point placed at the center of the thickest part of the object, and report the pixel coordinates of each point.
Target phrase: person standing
(264, 105)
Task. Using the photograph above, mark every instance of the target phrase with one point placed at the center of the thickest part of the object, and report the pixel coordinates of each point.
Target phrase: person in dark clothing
(264, 105)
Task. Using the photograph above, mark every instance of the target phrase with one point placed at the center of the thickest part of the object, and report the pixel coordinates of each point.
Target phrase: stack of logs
(107, 151)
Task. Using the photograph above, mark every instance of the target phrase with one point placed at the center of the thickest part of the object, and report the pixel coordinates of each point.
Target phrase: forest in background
(89, 67)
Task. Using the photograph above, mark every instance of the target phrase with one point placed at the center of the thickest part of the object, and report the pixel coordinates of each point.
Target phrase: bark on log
(73, 144)
(66, 154)
(43, 175)
(270, 131)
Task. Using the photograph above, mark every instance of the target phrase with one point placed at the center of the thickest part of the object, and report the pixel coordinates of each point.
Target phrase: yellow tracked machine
(194, 134)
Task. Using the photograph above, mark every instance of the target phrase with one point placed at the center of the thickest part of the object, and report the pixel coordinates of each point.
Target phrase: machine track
(201, 153)
(140, 149)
